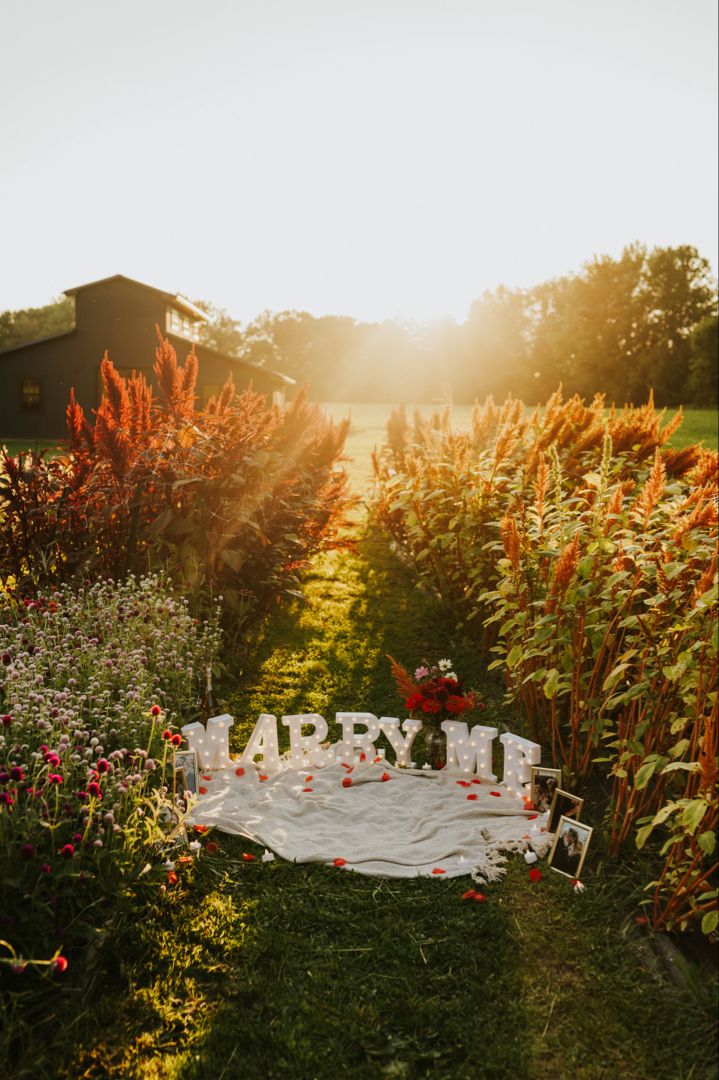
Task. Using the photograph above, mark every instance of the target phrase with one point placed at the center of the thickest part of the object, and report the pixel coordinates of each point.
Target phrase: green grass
(273, 970)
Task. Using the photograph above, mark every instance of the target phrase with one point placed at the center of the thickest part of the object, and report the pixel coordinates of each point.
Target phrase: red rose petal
(347, 782)
(308, 778)
(339, 862)
(247, 857)
(377, 760)
(439, 870)
(469, 895)
(385, 776)
(463, 783)
(346, 766)
(308, 789)
(497, 794)
(363, 756)
(640, 920)
(263, 777)
(472, 797)
(202, 790)
(476, 781)
(239, 772)
(535, 875)
(206, 777)
(532, 817)
(479, 897)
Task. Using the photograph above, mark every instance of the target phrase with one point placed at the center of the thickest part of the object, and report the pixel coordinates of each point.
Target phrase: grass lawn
(273, 970)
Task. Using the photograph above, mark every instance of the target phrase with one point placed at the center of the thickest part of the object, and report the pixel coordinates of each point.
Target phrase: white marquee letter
(519, 755)
(467, 749)
(305, 749)
(212, 743)
(361, 740)
(389, 726)
(263, 740)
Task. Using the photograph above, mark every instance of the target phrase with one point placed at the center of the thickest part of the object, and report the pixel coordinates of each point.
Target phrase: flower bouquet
(435, 694)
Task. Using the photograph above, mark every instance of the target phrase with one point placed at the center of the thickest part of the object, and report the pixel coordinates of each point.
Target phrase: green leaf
(551, 682)
(613, 677)
(707, 842)
(233, 559)
(709, 922)
(693, 814)
(643, 835)
(644, 775)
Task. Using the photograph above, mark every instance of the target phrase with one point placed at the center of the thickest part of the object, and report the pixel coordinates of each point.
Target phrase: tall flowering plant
(434, 694)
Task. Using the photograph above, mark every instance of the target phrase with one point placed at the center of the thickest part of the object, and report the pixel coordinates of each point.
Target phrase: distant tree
(494, 354)
(221, 332)
(704, 364)
(31, 324)
(677, 294)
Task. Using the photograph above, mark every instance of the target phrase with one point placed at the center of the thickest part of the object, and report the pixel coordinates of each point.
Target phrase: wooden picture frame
(544, 784)
(186, 763)
(569, 849)
(564, 804)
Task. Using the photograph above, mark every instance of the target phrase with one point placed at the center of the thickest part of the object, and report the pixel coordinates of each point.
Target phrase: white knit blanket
(373, 818)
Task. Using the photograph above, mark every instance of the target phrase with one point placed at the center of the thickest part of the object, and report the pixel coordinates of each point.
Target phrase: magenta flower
(6, 798)
(103, 765)
(51, 758)
(45, 868)
(93, 788)
(67, 851)
(16, 773)
(6, 720)
(27, 852)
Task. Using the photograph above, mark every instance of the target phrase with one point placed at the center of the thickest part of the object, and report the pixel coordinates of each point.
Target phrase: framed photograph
(185, 762)
(564, 804)
(570, 847)
(544, 783)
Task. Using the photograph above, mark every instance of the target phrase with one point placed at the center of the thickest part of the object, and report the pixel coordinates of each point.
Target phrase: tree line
(621, 326)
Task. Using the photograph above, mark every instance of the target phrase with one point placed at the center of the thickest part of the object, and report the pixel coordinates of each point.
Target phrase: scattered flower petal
(339, 862)
(535, 874)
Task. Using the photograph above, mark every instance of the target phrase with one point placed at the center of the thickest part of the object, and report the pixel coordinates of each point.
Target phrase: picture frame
(544, 784)
(186, 763)
(564, 804)
(569, 849)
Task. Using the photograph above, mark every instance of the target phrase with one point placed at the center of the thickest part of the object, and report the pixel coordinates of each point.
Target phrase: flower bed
(89, 680)
(582, 551)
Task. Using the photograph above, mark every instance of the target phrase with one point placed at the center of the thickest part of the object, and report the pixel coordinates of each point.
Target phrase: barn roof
(177, 299)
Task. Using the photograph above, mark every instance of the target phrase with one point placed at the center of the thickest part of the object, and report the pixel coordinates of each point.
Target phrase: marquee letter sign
(468, 751)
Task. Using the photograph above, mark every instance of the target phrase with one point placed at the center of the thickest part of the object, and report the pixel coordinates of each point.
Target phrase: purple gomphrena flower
(16, 773)
(54, 778)
(6, 720)
(45, 868)
(93, 788)
(67, 851)
(103, 765)
(6, 798)
(27, 852)
(4, 777)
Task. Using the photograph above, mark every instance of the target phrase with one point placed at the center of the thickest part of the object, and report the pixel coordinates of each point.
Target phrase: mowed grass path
(251, 970)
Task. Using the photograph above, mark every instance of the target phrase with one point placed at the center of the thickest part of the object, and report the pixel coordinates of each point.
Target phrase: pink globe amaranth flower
(103, 765)
(45, 868)
(93, 788)
(67, 851)
(176, 740)
(54, 778)
(6, 798)
(6, 720)
(27, 852)
(4, 777)
(155, 710)
(60, 963)
(51, 758)
(16, 773)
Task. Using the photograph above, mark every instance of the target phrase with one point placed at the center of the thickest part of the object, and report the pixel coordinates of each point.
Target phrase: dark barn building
(119, 315)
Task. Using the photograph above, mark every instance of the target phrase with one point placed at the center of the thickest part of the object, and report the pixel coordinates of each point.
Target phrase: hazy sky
(349, 156)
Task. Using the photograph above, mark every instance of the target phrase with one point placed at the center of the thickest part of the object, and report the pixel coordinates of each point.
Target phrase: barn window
(182, 325)
(31, 393)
